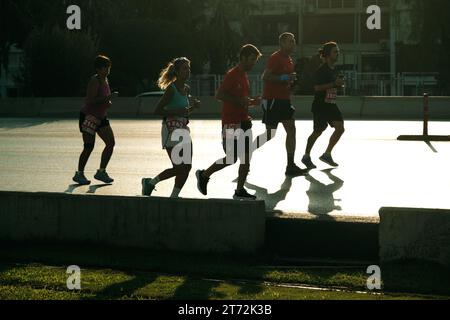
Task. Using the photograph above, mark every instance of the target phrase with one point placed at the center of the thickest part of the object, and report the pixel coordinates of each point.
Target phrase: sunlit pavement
(375, 169)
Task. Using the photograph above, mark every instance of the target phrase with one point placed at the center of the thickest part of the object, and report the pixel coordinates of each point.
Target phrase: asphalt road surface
(375, 169)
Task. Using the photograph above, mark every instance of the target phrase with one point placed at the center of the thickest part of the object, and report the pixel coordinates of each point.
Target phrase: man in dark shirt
(325, 109)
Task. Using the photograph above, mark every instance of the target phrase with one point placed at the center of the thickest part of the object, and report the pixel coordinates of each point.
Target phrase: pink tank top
(99, 110)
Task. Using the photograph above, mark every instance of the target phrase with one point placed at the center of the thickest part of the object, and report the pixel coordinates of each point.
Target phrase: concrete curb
(415, 234)
(184, 225)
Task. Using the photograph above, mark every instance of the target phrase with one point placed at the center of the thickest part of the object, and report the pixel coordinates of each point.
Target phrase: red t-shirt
(279, 64)
(235, 84)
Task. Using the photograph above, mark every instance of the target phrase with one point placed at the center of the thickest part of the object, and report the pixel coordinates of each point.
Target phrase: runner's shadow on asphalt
(94, 188)
(321, 196)
(72, 188)
(272, 199)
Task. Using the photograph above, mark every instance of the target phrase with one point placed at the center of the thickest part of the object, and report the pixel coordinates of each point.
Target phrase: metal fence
(357, 84)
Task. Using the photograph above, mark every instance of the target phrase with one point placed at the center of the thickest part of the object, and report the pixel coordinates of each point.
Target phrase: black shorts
(105, 122)
(239, 151)
(276, 111)
(326, 114)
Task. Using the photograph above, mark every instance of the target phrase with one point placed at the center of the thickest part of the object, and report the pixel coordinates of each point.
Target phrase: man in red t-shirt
(279, 78)
(236, 122)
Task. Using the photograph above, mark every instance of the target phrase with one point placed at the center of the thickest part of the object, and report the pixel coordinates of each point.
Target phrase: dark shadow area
(94, 188)
(272, 199)
(126, 289)
(418, 276)
(193, 289)
(251, 289)
(321, 196)
(18, 123)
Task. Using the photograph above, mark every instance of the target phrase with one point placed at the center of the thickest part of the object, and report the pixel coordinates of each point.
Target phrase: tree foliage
(140, 36)
(58, 62)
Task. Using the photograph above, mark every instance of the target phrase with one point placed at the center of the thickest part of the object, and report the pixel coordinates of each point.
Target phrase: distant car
(153, 94)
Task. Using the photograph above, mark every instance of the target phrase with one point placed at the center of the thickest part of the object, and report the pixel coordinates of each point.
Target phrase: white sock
(154, 181)
(175, 193)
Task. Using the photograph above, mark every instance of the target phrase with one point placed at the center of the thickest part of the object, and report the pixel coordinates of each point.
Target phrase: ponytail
(169, 74)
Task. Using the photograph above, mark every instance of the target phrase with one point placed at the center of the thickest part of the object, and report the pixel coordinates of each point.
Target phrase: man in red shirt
(279, 78)
(236, 122)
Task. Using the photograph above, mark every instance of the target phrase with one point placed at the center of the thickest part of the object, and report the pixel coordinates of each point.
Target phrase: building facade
(375, 61)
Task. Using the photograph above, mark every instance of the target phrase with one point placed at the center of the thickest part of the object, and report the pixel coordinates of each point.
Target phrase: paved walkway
(376, 170)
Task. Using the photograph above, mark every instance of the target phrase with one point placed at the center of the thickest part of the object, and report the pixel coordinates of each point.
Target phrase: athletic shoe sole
(309, 165)
(104, 180)
(333, 164)
(85, 183)
(147, 190)
(297, 173)
(197, 174)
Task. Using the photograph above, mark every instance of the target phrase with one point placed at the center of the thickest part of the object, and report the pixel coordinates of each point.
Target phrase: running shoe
(328, 160)
(147, 187)
(202, 182)
(243, 195)
(103, 177)
(295, 171)
(308, 163)
(81, 179)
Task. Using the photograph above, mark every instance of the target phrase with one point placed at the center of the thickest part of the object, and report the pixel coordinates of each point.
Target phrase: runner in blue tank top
(175, 107)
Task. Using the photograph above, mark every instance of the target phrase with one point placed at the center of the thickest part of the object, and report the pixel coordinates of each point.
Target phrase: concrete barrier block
(125, 107)
(184, 225)
(147, 106)
(351, 107)
(439, 108)
(20, 107)
(392, 108)
(61, 107)
(415, 234)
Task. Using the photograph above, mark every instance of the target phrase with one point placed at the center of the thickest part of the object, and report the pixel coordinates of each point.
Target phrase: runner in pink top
(99, 110)
(93, 121)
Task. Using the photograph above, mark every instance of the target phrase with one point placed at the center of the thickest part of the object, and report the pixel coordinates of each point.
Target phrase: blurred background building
(142, 36)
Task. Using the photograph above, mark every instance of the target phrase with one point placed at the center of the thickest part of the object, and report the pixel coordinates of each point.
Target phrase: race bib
(331, 96)
(174, 123)
(90, 124)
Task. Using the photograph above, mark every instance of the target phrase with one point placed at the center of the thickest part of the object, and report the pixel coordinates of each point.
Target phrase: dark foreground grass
(107, 273)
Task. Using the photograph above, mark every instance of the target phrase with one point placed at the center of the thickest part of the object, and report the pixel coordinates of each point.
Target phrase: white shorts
(172, 138)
